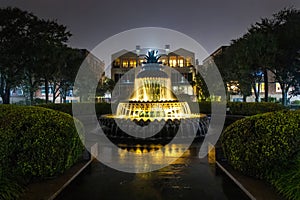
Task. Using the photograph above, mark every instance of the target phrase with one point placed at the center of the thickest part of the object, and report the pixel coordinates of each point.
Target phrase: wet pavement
(189, 177)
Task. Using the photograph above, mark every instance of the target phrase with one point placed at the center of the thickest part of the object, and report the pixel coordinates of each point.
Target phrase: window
(70, 93)
(117, 62)
(141, 61)
(164, 60)
(188, 61)
(173, 61)
(132, 63)
(181, 62)
(278, 88)
(125, 63)
(16, 92)
(43, 90)
(261, 88)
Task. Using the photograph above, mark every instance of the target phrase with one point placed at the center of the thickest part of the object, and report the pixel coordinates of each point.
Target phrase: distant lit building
(181, 60)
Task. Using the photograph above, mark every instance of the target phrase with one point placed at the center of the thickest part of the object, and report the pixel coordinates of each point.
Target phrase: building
(181, 60)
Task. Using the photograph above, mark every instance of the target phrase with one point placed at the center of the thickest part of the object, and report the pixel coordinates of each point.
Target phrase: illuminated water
(187, 178)
(152, 97)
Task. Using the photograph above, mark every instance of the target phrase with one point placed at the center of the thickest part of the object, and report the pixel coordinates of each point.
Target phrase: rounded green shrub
(264, 144)
(37, 142)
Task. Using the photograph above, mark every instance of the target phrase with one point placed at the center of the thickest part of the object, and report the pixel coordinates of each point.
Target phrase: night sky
(212, 23)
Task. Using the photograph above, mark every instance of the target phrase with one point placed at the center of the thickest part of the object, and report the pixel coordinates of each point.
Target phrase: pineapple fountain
(153, 106)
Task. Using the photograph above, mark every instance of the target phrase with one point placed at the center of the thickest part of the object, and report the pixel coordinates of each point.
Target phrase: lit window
(141, 62)
(125, 63)
(173, 61)
(181, 62)
(117, 62)
(261, 87)
(43, 90)
(278, 88)
(132, 63)
(163, 60)
(188, 61)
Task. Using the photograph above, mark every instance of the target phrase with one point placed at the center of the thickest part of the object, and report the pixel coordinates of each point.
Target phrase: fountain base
(183, 129)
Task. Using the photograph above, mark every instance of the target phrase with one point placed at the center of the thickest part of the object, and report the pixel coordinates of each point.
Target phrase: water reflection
(188, 177)
(156, 152)
(141, 158)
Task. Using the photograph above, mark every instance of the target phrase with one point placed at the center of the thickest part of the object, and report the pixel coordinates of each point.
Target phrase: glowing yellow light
(152, 98)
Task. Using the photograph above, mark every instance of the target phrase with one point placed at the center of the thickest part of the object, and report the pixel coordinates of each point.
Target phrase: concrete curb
(70, 180)
(93, 154)
(236, 181)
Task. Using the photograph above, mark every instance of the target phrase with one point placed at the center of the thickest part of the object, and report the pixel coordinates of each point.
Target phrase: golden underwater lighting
(152, 98)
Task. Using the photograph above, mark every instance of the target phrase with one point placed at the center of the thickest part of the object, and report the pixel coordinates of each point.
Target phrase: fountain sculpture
(153, 101)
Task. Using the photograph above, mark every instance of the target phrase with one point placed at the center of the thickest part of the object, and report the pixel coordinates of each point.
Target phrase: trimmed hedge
(101, 108)
(62, 107)
(205, 107)
(235, 108)
(37, 142)
(244, 108)
(266, 146)
(253, 108)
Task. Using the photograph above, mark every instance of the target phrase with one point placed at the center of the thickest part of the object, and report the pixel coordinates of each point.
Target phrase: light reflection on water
(140, 158)
(157, 153)
(186, 178)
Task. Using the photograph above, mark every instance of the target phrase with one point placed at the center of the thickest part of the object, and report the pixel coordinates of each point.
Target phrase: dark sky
(211, 22)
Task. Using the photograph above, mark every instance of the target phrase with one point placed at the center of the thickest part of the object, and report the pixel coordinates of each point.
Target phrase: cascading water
(153, 101)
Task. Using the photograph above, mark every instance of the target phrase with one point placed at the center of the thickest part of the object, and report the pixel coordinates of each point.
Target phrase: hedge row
(253, 108)
(235, 108)
(244, 108)
(35, 143)
(266, 146)
(100, 108)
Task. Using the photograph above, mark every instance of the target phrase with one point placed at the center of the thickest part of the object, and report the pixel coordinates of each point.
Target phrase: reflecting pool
(189, 177)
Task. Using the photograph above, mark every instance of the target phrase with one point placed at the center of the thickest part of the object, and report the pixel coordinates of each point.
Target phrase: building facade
(181, 60)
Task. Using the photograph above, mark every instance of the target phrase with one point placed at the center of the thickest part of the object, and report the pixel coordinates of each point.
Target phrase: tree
(286, 65)
(51, 44)
(64, 80)
(276, 47)
(107, 85)
(30, 51)
(270, 45)
(14, 31)
(236, 72)
(201, 87)
(261, 46)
